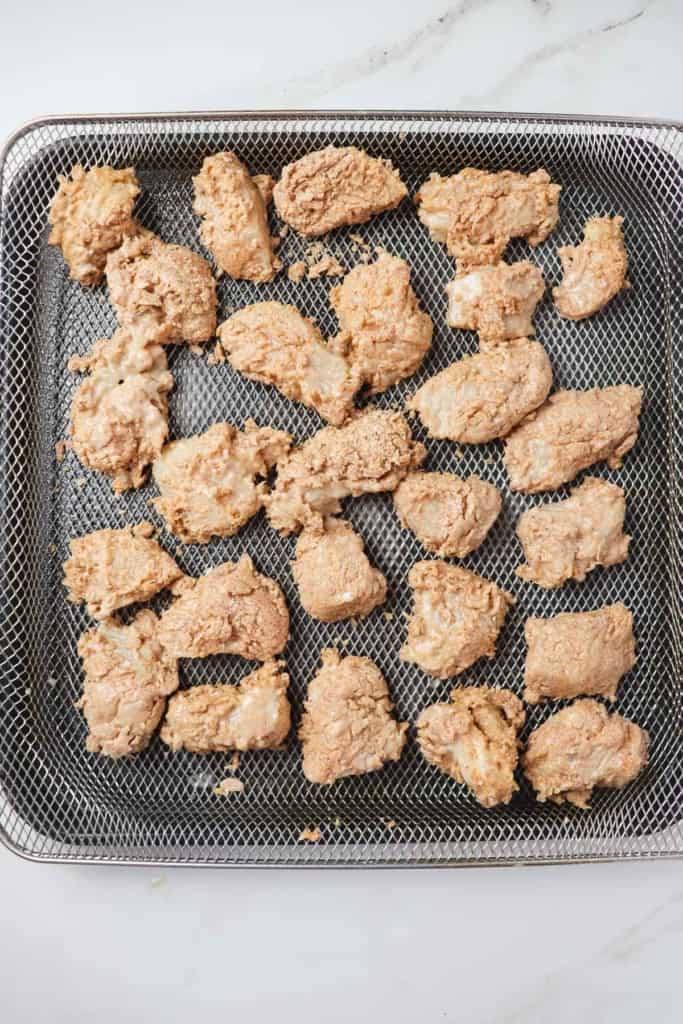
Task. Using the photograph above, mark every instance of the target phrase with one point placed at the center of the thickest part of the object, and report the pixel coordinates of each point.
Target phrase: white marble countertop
(482, 946)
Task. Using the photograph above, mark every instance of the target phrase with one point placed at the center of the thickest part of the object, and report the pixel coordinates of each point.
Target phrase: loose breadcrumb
(326, 266)
(388, 616)
(80, 482)
(60, 450)
(227, 786)
(234, 762)
(310, 835)
(390, 824)
(297, 271)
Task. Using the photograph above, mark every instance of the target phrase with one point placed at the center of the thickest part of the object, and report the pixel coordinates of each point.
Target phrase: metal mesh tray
(58, 802)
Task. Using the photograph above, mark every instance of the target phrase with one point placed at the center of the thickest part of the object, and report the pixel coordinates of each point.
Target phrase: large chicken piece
(477, 212)
(582, 747)
(573, 430)
(449, 516)
(497, 301)
(90, 215)
(109, 569)
(594, 271)
(208, 482)
(578, 653)
(456, 618)
(232, 609)
(484, 396)
(234, 219)
(334, 575)
(474, 740)
(370, 454)
(347, 727)
(335, 186)
(128, 676)
(383, 332)
(255, 715)
(567, 540)
(272, 343)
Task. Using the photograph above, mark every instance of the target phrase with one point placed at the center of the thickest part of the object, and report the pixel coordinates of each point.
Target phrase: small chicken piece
(484, 396)
(578, 653)
(477, 212)
(572, 431)
(207, 482)
(449, 516)
(567, 540)
(474, 740)
(335, 186)
(170, 286)
(498, 301)
(456, 618)
(581, 747)
(370, 454)
(255, 715)
(90, 215)
(109, 569)
(128, 676)
(347, 727)
(594, 271)
(333, 573)
(230, 610)
(383, 331)
(234, 226)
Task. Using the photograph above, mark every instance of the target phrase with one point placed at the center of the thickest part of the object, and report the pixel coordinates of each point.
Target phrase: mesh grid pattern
(58, 802)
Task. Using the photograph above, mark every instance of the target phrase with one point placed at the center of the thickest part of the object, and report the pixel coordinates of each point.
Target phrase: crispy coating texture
(254, 715)
(109, 569)
(484, 396)
(233, 208)
(594, 271)
(573, 430)
(567, 540)
(477, 212)
(128, 676)
(232, 609)
(335, 186)
(272, 343)
(497, 301)
(90, 215)
(372, 453)
(383, 331)
(334, 575)
(166, 285)
(449, 516)
(581, 747)
(474, 740)
(208, 482)
(456, 618)
(580, 653)
(347, 727)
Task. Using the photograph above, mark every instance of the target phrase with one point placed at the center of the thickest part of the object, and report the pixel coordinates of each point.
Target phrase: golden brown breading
(581, 747)
(474, 739)
(498, 301)
(477, 212)
(335, 186)
(580, 653)
(254, 715)
(573, 430)
(207, 482)
(568, 539)
(168, 286)
(234, 225)
(333, 573)
(232, 609)
(484, 396)
(594, 271)
(272, 343)
(128, 676)
(456, 618)
(449, 516)
(90, 215)
(109, 569)
(383, 331)
(347, 727)
(372, 453)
